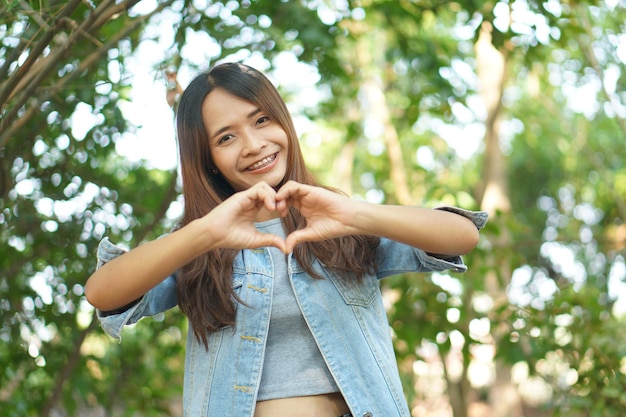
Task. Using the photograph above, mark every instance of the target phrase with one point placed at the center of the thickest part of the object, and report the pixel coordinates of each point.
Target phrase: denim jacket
(347, 319)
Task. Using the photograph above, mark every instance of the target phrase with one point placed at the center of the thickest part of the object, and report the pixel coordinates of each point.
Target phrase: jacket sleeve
(157, 300)
(394, 258)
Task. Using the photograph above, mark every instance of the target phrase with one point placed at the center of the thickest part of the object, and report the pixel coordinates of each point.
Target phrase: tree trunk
(375, 108)
(491, 69)
(343, 167)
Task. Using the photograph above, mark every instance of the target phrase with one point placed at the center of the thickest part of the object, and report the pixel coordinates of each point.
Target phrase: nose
(253, 142)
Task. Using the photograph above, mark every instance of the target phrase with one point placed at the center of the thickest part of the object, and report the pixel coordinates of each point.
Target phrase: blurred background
(515, 107)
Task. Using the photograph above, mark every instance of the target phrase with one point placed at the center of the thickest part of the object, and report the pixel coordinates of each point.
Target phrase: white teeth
(263, 162)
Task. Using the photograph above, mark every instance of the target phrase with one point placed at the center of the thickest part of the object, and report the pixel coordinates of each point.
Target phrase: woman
(277, 275)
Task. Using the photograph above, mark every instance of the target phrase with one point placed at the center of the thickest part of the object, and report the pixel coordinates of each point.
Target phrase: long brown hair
(204, 286)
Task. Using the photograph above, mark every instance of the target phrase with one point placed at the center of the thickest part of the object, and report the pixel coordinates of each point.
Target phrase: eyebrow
(225, 128)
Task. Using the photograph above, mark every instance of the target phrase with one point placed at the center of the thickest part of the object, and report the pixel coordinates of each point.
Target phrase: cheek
(222, 159)
(284, 143)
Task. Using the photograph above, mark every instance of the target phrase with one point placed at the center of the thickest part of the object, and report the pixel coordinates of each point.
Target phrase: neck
(264, 215)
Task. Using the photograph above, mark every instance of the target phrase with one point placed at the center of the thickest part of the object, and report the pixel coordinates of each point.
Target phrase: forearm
(434, 231)
(129, 276)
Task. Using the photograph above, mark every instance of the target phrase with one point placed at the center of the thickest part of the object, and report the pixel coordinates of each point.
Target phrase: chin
(277, 184)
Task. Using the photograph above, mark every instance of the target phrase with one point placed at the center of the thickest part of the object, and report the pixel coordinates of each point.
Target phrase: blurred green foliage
(556, 260)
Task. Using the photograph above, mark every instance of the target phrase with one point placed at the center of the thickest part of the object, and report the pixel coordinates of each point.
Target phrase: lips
(262, 163)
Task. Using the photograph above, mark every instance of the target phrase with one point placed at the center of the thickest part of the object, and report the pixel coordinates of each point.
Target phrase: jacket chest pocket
(353, 291)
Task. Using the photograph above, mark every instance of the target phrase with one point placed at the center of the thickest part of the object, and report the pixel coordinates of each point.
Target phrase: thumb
(298, 236)
(268, 239)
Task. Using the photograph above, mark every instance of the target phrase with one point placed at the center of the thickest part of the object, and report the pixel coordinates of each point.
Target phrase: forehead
(221, 108)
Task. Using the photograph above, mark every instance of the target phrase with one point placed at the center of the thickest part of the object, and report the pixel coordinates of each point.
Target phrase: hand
(327, 213)
(231, 223)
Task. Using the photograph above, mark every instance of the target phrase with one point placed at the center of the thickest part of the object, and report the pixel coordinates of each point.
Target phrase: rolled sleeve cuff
(432, 263)
(479, 218)
(112, 322)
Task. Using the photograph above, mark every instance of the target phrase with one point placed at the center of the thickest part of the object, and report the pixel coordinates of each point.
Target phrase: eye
(262, 120)
(224, 139)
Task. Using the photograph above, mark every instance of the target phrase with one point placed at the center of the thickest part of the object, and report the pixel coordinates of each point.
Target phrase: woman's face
(246, 145)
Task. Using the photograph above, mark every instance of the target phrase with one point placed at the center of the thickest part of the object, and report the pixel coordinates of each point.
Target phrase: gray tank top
(293, 364)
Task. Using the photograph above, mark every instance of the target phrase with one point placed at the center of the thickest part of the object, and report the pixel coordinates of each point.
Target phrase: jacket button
(368, 415)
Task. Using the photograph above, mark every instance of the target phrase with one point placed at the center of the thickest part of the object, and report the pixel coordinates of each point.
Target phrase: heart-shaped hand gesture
(232, 222)
(328, 214)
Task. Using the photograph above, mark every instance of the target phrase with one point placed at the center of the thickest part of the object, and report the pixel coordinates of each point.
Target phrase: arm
(434, 231)
(230, 225)
(331, 215)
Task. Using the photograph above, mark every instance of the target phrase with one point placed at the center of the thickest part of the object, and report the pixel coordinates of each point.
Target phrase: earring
(214, 171)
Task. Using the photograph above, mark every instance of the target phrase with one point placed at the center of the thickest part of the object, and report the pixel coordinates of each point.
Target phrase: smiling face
(246, 145)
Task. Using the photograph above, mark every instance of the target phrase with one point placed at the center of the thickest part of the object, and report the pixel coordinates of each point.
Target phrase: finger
(270, 203)
(299, 236)
(282, 207)
(267, 239)
(280, 244)
(290, 190)
(290, 243)
(264, 194)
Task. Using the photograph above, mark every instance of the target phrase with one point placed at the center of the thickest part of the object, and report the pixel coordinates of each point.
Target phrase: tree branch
(85, 65)
(34, 54)
(160, 214)
(68, 369)
(28, 82)
(589, 53)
